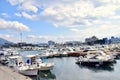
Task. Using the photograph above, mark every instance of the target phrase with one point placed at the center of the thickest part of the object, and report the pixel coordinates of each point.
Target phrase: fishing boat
(17, 63)
(28, 65)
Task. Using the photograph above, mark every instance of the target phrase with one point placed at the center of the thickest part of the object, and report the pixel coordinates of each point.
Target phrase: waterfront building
(51, 42)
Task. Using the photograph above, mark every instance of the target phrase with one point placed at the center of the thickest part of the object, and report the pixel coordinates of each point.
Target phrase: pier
(7, 73)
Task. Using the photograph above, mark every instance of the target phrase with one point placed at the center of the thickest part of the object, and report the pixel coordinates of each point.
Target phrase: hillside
(3, 41)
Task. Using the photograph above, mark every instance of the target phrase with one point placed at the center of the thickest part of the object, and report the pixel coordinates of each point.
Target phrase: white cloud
(15, 2)
(8, 37)
(101, 31)
(84, 17)
(68, 13)
(58, 38)
(26, 5)
(29, 6)
(15, 38)
(5, 36)
(5, 15)
(28, 16)
(78, 13)
(110, 1)
(74, 30)
(13, 25)
(18, 14)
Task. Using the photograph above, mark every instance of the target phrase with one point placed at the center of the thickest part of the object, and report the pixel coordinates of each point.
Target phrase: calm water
(66, 69)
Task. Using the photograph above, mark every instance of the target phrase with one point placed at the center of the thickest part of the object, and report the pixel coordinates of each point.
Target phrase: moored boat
(96, 60)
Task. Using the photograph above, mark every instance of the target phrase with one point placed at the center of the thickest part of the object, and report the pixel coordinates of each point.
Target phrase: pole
(21, 37)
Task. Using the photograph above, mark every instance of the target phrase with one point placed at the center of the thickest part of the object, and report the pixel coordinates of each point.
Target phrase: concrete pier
(7, 73)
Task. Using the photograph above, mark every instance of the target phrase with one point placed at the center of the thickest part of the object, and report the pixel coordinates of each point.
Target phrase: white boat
(100, 59)
(28, 70)
(20, 66)
(3, 58)
(64, 53)
(41, 65)
(29, 65)
(46, 66)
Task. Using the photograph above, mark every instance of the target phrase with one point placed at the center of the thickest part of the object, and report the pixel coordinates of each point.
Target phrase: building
(51, 42)
(114, 40)
(91, 40)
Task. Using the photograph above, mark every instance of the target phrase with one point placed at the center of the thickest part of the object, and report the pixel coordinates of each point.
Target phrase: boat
(97, 60)
(3, 58)
(47, 53)
(29, 64)
(17, 63)
(46, 66)
(64, 54)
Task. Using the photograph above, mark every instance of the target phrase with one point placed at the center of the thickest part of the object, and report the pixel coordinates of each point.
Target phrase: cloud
(9, 37)
(58, 38)
(17, 14)
(5, 15)
(13, 25)
(78, 13)
(32, 17)
(6, 36)
(68, 13)
(15, 2)
(74, 30)
(104, 30)
(82, 17)
(29, 6)
(26, 5)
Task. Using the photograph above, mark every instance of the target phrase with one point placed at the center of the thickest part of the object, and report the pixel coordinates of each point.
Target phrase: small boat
(17, 63)
(64, 54)
(3, 58)
(28, 65)
(39, 63)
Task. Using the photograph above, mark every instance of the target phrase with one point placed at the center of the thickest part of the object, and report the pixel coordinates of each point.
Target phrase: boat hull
(95, 63)
(46, 66)
(29, 72)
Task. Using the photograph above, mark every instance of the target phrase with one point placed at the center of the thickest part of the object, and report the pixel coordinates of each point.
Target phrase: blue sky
(58, 20)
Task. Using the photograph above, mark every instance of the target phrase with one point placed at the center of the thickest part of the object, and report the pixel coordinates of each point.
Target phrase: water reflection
(45, 75)
(98, 69)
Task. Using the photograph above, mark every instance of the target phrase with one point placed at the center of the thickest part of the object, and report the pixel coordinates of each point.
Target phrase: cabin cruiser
(99, 59)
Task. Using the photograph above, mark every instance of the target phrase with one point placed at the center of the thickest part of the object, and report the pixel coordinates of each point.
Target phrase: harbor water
(66, 69)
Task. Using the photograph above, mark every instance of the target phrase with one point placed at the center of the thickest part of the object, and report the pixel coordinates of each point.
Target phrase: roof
(30, 56)
(14, 57)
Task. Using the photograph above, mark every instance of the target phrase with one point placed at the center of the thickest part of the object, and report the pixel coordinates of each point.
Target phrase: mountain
(3, 41)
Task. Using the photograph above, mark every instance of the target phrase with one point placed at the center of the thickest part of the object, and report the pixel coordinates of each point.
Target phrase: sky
(58, 20)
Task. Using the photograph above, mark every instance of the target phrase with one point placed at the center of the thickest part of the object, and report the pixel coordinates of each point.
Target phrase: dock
(7, 73)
